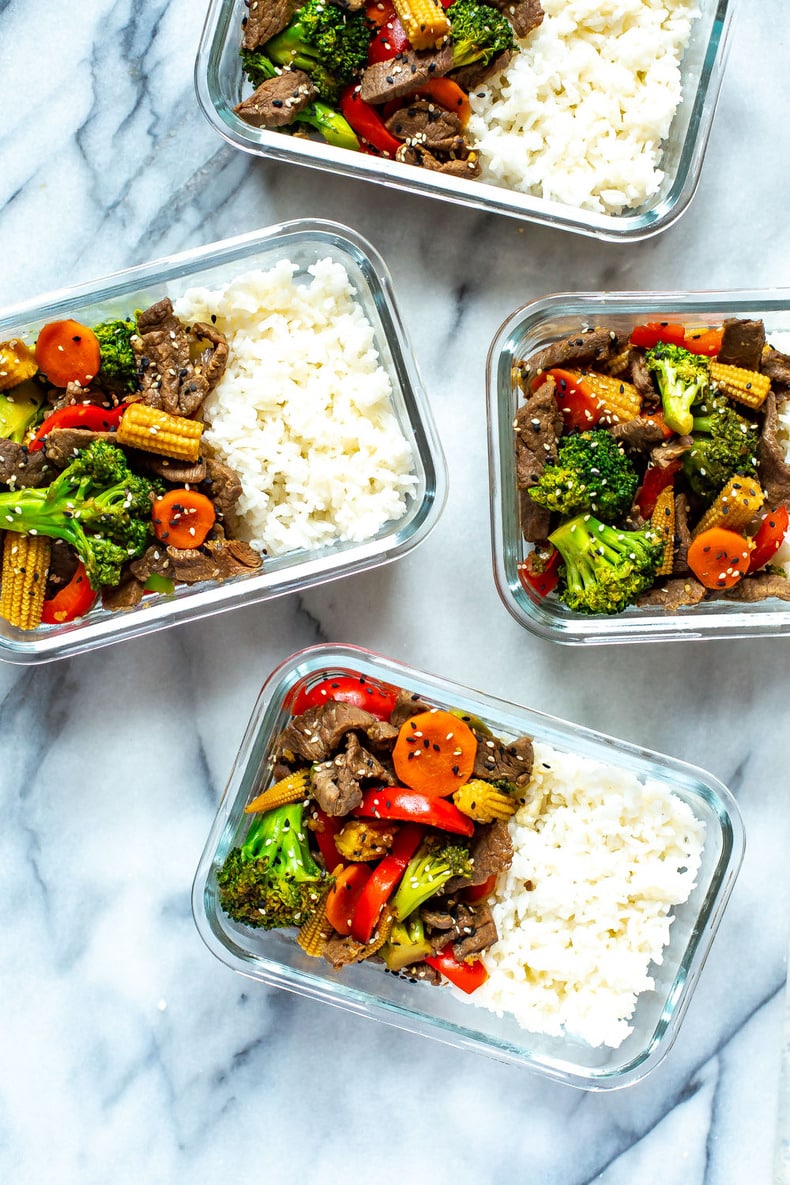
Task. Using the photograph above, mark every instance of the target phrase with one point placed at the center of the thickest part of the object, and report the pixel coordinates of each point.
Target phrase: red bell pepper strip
(768, 537)
(383, 881)
(391, 37)
(653, 332)
(341, 900)
(70, 602)
(539, 573)
(78, 415)
(466, 976)
(655, 481)
(703, 341)
(366, 122)
(376, 698)
(580, 408)
(478, 892)
(330, 826)
(396, 802)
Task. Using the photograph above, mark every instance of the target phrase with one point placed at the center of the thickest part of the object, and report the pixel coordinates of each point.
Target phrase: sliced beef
(498, 760)
(382, 734)
(742, 343)
(407, 704)
(340, 952)
(492, 853)
(168, 377)
(776, 365)
(223, 486)
(665, 454)
(213, 357)
(277, 101)
(316, 734)
(524, 16)
(232, 557)
(20, 469)
(422, 972)
(61, 445)
(429, 126)
(404, 73)
(463, 163)
(63, 562)
(682, 535)
(677, 593)
(642, 378)
(773, 470)
(336, 789)
(538, 427)
(535, 520)
(264, 20)
(125, 595)
(759, 587)
(582, 349)
(74, 393)
(186, 565)
(178, 472)
(469, 927)
(469, 78)
(640, 434)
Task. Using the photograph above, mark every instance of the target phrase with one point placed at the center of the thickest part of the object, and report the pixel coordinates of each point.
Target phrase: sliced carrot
(183, 518)
(67, 352)
(447, 94)
(434, 753)
(718, 557)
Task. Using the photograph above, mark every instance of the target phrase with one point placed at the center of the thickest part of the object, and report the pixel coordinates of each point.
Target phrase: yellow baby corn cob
(663, 523)
(735, 507)
(24, 579)
(483, 802)
(156, 431)
(315, 932)
(291, 789)
(17, 363)
(744, 386)
(621, 400)
(619, 364)
(424, 21)
(383, 931)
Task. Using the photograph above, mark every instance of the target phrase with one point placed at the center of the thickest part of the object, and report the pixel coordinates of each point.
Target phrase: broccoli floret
(683, 378)
(725, 443)
(430, 868)
(118, 370)
(478, 33)
(604, 569)
(330, 45)
(406, 944)
(272, 880)
(97, 504)
(20, 410)
(591, 472)
(330, 123)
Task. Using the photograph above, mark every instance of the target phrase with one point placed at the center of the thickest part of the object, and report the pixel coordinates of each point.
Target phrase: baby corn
(744, 386)
(24, 579)
(735, 507)
(424, 21)
(663, 523)
(155, 431)
(291, 789)
(17, 363)
(483, 802)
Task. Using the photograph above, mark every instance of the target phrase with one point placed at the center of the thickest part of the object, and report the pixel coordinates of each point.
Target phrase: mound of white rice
(585, 906)
(303, 412)
(580, 113)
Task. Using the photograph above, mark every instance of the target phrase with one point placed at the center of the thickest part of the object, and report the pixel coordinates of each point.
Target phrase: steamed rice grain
(304, 410)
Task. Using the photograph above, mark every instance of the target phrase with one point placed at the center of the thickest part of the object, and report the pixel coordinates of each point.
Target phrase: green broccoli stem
(331, 124)
(426, 874)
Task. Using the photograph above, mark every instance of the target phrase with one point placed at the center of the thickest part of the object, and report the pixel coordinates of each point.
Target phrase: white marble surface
(128, 1053)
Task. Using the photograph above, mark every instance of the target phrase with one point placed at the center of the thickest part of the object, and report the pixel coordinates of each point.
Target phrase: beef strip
(125, 595)
(682, 535)
(422, 972)
(277, 101)
(428, 126)
(508, 761)
(232, 557)
(742, 343)
(265, 19)
(640, 434)
(469, 78)
(463, 163)
(168, 377)
(340, 952)
(773, 470)
(335, 787)
(407, 704)
(759, 587)
(20, 469)
(404, 73)
(582, 349)
(186, 565)
(61, 445)
(535, 520)
(492, 853)
(223, 486)
(665, 454)
(469, 927)
(316, 734)
(63, 561)
(383, 734)
(178, 472)
(74, 393)
(675, 594)
(642, 378)
(538, 427)
(524, 16)
(776, 365)
(480, 932)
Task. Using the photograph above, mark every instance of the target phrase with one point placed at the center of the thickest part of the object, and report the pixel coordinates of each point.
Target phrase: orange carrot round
(67, 352)
(183, 518)
(718, 557)
(434, 753)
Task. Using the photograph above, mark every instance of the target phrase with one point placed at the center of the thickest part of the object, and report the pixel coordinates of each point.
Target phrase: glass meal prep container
(303, 243)
(219, 83)
(367, 990)
(530, 328)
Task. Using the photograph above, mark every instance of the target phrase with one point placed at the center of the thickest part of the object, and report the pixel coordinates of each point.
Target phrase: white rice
(605, 860)
(304, 410)
(580, 113)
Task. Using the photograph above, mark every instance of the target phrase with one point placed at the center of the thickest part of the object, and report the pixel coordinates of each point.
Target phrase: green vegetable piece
(478, 33)
(592, 472)
(118, 371)
(20, 410)
(604, 569)
(406, 944)
(724, 443)
(683, 378)
(434, 863)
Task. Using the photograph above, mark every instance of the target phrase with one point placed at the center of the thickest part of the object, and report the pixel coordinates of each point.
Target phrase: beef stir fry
(386, 77)
(383, 834)
(649, 467)
(106, 489)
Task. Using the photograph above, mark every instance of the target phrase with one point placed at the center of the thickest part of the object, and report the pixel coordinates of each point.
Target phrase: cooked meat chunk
(382, 734)
(265, 19)
(665, 454)
(404, 73)
(479, 932)
(524, 17)
(20, 469)
(583, 349)
(278, 100)
(773, 470)
(223, 486)
(168, 377)
(232, 557)
(178, 472)
(214, 357)
(63, 562)
(125, 595)
(406, 706)
(495, 759)
(642, 378)
(340, 952)
(317, 733)
(335, 786)
(492, 853)
(742, 343)
(535, 520)
(538, 426)
(469, 78)
(675, 594)
(776, 365)
(428, 126)
(463, 164)
(641, 433)
(759, 587)
(423, 972)
(188, 565)
(682, 535)
(61, 445)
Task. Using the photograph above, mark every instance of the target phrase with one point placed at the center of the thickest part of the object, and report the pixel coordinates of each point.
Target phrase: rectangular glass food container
(365, 989)
(534, 326)
(218, 81)
(302, 242)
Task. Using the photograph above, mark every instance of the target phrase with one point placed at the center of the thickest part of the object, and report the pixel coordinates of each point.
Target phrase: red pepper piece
(383, 881)
(78, 415)
(341, 900)
(466, 976)
(768, 537)
(391, 37)
(655, 481)
(580, 408)
(366, 122)
(396, 802)
(72, 601)
(376, 698)
(703, 341)
(478, 892)
(331, 825)
(540, 573)
(653, 332)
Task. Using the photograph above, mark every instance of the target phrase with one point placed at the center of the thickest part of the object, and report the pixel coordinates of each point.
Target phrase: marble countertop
(129, 1054)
